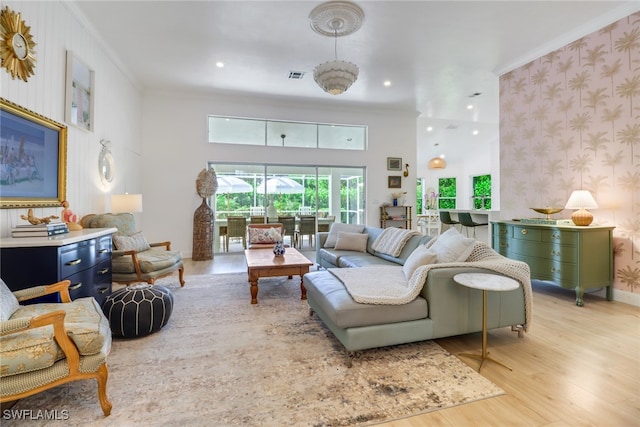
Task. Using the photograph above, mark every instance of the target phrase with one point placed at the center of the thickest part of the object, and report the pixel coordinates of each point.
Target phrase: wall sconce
(581, 200)
(406, 170)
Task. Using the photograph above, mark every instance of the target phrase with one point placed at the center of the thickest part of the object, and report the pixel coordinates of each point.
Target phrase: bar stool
(445, 218)
(467, 222)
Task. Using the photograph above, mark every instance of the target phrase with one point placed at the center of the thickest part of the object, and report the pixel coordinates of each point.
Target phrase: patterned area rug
(222, 361)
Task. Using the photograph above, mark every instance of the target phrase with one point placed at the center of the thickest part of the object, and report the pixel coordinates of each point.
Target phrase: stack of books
(40, 230)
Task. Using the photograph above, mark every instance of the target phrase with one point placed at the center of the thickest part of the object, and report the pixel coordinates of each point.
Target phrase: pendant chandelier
(336, 18)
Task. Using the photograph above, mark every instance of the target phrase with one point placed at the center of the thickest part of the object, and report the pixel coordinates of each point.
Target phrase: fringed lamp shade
(581, 200)
(335, 77)
(437, 163)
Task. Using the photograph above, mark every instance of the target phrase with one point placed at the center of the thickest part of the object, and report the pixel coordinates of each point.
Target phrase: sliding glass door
(272, 191)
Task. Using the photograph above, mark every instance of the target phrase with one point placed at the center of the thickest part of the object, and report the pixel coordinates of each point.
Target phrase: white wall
(56, 28)
(175, 150)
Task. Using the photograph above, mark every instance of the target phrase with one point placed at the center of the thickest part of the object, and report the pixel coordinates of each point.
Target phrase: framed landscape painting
(395, 182)
(33, 158)
(394, 163)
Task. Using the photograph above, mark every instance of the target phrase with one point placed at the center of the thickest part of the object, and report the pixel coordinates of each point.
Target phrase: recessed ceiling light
(470, 107)
(387, 83)
(220, 64)
(475, 132)
(429, 128)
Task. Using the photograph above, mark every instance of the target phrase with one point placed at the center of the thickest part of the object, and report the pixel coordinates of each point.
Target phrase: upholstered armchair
(48, 344)
(135, 260)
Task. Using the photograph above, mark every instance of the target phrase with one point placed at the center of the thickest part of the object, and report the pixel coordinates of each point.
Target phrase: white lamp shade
(128, 203)
(581, 199)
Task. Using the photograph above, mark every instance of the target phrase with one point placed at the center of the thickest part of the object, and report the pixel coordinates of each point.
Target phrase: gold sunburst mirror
(17, 48)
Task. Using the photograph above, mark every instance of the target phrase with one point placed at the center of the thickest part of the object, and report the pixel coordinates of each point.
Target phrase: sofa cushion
(263, 235)
(408, 249)
(337, 227)
(150, 261)
(361, 259)
(420, 256)
(351, 241)
(334, 300)
(8, 302)
(136, 242)
(37, 349)
(451, 246)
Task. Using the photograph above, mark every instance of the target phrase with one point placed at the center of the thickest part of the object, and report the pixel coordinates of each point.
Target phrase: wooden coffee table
(262, 263)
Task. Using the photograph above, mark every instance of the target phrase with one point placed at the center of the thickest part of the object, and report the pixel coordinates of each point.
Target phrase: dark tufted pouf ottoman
(138, 310)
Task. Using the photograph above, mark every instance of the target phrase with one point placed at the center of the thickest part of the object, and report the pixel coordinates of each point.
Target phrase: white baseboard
(620, 296)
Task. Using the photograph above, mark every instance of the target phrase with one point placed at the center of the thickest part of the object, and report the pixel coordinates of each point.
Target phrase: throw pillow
(135, 242)
(8, 302)
(262, 235)
(452, 246)
(420, 256)
(336, 227)
(352, 241)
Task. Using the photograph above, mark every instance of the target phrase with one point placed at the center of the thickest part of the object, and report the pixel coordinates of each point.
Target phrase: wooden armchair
(134, 260)
(45, 345)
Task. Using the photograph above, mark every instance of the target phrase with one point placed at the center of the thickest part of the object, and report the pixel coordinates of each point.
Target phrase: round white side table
(485, 282)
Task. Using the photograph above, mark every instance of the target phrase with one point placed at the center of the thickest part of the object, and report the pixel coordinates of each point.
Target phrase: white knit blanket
(386, 284)
(392, 240)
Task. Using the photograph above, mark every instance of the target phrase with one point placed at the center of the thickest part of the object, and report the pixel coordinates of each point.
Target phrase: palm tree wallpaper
(570, 120)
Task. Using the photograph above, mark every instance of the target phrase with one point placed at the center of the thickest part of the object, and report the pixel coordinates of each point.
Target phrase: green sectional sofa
(443, 307)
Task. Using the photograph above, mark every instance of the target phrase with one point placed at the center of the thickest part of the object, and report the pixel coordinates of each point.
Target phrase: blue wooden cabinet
(83, 257)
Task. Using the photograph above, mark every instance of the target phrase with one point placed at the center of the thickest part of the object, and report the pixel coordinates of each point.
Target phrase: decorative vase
(203, 233)
(395, 202)
(279, 249)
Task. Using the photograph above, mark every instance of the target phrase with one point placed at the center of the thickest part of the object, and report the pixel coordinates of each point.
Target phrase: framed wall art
(33, 158)
(394, 163)
(80, 93)
(395, 182)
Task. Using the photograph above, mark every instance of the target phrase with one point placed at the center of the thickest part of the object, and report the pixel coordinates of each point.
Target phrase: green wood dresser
(572, 257)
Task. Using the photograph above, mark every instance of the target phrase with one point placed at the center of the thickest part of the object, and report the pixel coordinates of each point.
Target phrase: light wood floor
(577, 366)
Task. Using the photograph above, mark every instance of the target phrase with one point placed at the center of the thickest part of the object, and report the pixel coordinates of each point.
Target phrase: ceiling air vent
(296, 75)
(452, 127)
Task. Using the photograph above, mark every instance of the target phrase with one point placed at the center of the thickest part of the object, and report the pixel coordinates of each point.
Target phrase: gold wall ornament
(17, 48)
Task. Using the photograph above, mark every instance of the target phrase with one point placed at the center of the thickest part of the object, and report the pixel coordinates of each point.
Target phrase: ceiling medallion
(17, 53)
(335, 19)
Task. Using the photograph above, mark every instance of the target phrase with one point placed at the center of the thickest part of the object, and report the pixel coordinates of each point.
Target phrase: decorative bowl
(547, 211)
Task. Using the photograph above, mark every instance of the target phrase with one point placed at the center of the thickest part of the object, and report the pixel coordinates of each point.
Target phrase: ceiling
(436, 54)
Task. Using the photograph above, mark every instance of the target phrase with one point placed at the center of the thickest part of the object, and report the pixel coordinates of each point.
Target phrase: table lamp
(581, 200)
(126, 203)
